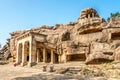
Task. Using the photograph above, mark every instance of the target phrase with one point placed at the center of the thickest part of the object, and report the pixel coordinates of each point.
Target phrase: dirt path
(8, 71)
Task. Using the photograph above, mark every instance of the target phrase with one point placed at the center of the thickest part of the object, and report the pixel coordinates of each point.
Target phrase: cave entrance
(76, 57)
(56, 58)
(115, 36)
(48, 56)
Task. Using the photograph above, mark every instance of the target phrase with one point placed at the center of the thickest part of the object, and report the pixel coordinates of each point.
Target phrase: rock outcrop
(90, 39)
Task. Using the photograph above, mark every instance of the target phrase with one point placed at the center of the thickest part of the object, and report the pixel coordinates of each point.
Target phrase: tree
(114, 15)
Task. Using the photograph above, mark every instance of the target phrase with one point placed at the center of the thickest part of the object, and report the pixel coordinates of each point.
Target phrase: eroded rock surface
(90, 39)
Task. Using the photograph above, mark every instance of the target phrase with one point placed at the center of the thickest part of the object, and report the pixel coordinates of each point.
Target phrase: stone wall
(87, 38)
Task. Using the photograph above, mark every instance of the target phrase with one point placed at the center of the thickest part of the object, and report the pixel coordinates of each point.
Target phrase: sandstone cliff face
(91, 38)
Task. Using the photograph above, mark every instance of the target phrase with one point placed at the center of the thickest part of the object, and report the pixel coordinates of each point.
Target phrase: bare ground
(8, 71)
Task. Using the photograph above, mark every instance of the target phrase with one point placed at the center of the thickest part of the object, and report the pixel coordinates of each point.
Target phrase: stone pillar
(30, 54)
(93, 15)
(17, 55)
(23, 54)
(88, 15)
(44, 55)
(34, 51)
(52, 57)
(68, 57)
(65, 57)
(59, 58)
(38, 55)
(109, 37)
(116, 55)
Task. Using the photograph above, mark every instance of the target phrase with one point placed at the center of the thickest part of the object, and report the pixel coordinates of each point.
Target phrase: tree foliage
(114, 15)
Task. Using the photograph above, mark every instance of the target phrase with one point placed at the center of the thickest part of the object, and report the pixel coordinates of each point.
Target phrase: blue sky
(25, 14)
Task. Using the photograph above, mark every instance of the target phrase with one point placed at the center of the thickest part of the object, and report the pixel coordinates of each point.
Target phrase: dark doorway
(115, 36)
(27, 57)
(48, 55)
(76, 57)
(56, 58)
(41, 55)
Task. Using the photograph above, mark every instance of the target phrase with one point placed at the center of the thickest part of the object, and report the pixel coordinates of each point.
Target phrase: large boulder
(100, 52)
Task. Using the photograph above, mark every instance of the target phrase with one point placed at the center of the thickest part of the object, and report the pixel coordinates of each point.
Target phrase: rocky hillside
(90, 36)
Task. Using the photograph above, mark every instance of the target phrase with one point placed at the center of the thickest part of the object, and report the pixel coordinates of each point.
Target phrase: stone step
(74, 69)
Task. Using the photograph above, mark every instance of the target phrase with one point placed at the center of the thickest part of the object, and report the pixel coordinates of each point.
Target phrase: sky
(26, 14)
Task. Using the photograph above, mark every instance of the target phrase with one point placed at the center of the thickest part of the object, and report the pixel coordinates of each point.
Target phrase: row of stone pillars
(21, 56)
(24, 51)
(44, 52)
(92, 15)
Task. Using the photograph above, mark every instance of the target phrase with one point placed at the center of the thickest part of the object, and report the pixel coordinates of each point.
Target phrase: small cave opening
(76, 57)
(115, 36)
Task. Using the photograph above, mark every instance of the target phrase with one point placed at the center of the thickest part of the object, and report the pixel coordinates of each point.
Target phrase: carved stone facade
(91, 39)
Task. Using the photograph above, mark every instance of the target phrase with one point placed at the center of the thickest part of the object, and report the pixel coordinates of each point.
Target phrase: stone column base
(18, 63)
(29, 64)
(22, 64)
(44, 62)
(37, 61)
(51, 62)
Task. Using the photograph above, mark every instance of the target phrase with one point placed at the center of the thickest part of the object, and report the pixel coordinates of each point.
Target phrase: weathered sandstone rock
(89, 39)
